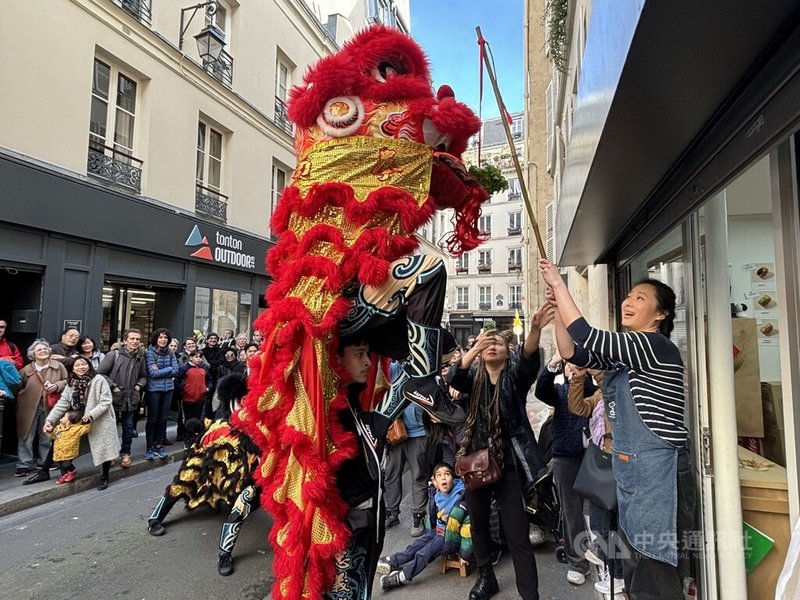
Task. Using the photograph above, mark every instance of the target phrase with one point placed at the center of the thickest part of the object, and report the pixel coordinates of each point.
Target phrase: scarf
(79, 385)
(446, 502)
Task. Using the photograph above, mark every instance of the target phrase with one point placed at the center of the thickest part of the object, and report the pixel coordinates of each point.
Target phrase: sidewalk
(15, 497)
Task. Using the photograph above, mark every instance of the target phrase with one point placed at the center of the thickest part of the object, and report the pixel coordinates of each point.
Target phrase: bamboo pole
(510, 138)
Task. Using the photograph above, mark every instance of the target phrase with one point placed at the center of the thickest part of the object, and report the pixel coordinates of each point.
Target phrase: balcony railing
(114, 166)
(512, 196)
(210, 203)
(514, 230)
(484, 267)
(221, 69)
(485, 305)
(281, 118)
(462, 305)
(514, 267)
(138, 8)
(461, 269)
(513, 305)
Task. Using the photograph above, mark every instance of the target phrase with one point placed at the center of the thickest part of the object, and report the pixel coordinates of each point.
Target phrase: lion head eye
(389, 68)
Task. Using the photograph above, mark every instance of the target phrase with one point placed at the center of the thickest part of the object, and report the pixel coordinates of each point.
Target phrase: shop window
(216, 310)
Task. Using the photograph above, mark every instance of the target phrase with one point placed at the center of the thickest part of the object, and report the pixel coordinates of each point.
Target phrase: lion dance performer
(377, 154)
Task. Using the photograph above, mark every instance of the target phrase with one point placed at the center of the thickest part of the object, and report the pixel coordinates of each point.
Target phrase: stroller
(544, 511)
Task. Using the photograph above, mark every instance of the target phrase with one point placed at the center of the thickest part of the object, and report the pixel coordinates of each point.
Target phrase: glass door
(124, 308)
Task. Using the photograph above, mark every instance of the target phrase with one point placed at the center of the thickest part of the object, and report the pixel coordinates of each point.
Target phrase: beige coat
(32, 393)
(103, 439)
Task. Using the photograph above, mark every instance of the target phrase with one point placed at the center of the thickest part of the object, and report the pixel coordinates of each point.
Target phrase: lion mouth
(434, 138)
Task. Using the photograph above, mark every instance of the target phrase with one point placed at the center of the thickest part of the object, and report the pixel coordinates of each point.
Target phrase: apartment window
(462, 298)
(514, 259)
(462, 263)
(209, 202)
(484, 297)
(516, 128)
(278, 183)
(484, 261)
(515, 223)
(283, 81)
(485, 224)
(112, 126)
(515, 296)
(514, 191)
(220, 20)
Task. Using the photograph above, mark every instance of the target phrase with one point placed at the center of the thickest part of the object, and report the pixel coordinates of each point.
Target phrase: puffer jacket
(161, 379)
(516, 380)
(567, 427)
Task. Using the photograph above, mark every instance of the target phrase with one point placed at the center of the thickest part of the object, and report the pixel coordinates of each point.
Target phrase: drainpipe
(721, 391)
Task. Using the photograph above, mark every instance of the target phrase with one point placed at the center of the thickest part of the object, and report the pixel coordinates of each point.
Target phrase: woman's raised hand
(542, 317)
(549, 272)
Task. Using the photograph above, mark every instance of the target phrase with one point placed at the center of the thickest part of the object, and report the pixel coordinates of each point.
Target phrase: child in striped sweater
(447, 531)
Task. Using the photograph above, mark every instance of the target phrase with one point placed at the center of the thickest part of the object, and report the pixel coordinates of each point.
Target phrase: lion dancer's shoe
(420, 381)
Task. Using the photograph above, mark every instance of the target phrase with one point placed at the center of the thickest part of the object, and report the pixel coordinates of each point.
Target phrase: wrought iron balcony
(462, 305)
(484, 267)
(513, 196)
(513, 305)
(514, 231)
(114, 166)
(514, 267)
(281, 118)
(138, 8)
(210, 204)
(485, 305)
(461, 269)
(221, 69)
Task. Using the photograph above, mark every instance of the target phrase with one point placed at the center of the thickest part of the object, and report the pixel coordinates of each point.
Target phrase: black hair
(351, 340)
(70, 364)
(248, 346)
(83, 338)
(195, 353)
(73, 416)
(212, 334)
(70, 328)
(665, 298)
(158, 332)
(443, 465)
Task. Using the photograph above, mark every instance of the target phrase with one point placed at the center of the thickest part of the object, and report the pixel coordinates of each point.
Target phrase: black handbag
(595, 479)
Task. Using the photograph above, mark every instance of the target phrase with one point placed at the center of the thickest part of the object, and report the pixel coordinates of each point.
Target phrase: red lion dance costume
(376, 157)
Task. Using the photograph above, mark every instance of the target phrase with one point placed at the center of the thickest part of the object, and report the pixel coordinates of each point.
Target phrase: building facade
(139, 175)
(343, 18)
(487, 284)
(674, 157)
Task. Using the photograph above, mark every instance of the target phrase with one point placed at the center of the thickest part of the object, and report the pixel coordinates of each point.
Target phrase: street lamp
(210, 40)
(209, 44)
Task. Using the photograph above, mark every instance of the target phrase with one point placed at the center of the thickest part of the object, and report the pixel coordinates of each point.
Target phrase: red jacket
(10, 350)
(194, 383)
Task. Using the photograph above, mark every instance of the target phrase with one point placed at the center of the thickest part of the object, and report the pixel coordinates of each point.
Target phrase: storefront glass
(217, 310)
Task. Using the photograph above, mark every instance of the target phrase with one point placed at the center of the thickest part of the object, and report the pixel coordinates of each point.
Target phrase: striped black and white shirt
(655, 371)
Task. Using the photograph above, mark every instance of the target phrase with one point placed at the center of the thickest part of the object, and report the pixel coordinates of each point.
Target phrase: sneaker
(576, 577)
(604, 585)
(384, 565)
(391, 521)
(418, 527)
(125, 461)
(135, 433)
(156, 528)
(593, 558)
(67, 477)
(39, 476)
(393, 580)
(23, 472)
(148, 454)
(225, 564)
(536, 535)
(53, 467)
(161, 453)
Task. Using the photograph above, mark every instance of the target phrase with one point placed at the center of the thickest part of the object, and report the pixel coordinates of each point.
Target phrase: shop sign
(73, 324)
(224, 249)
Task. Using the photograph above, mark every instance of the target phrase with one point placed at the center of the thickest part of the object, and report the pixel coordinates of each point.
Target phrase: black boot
(486, 586)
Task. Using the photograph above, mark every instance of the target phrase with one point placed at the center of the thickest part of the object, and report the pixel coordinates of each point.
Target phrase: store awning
(654, 76)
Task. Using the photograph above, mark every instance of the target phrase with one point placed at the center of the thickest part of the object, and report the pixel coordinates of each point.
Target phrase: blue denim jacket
(646, 471)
